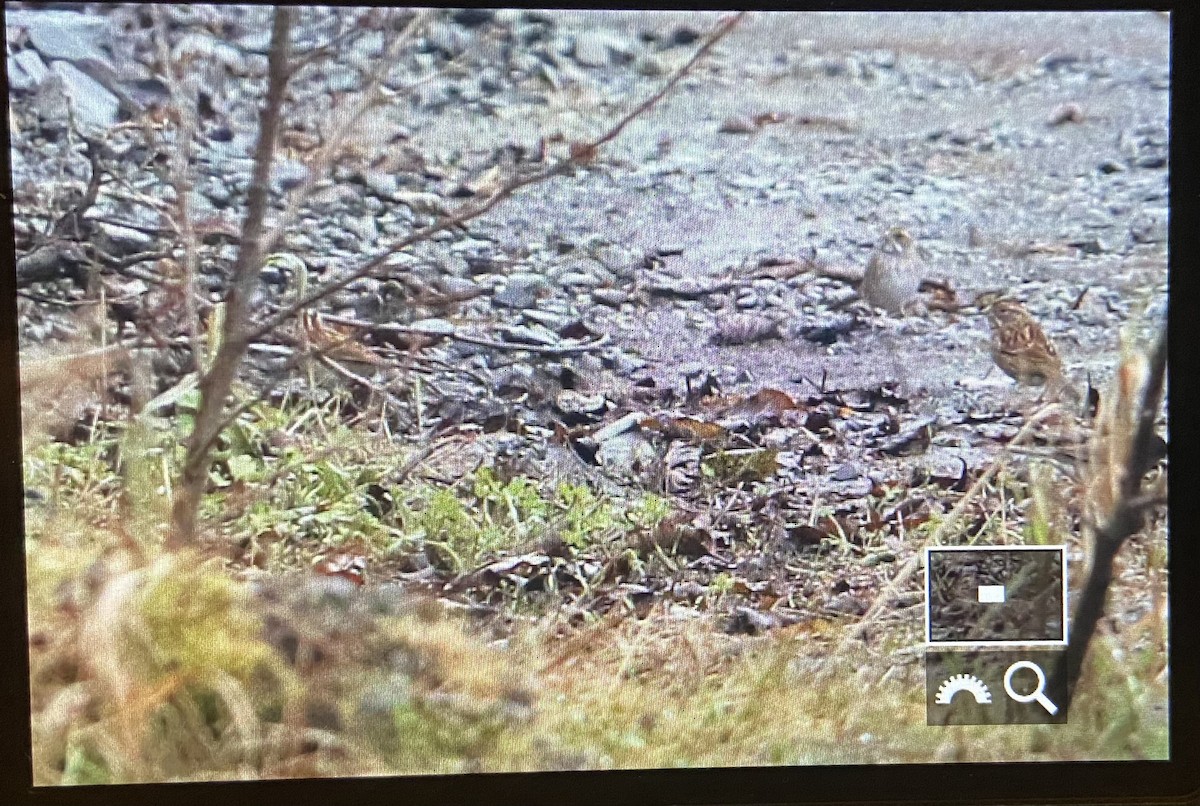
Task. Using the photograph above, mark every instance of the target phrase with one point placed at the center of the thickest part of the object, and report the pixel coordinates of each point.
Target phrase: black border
(1177, 780)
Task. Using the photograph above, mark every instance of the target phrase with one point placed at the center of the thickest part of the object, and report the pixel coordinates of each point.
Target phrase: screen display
(435, 391)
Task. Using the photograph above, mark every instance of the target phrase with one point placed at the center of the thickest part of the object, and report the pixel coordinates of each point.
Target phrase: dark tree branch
(1124, 521)
(237, 333)
(216, 384)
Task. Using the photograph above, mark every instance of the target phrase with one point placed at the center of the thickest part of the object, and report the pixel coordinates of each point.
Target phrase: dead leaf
(687, 428)
(334, 341)
(1066, 113)
(762, 406)
(347, 566)
(802, 534)
(732, 467)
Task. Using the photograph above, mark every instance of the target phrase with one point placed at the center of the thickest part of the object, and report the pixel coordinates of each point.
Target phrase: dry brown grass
(59, 384)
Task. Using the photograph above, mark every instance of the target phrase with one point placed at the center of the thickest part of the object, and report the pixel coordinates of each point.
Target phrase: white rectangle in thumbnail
(991, 594)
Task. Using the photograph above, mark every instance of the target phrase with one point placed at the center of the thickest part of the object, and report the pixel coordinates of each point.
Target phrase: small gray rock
(650, 66)
(521, 290)
(748, 621)
(63, 34)
(289, 174)
(629, 455)
(124, 240)
(434, 327)
(459, 286)
(340, 78)
(578, 279)
(26, 70)
(94, 107)
(613, 297)
(845, 472)
(846, 604)
(601, 49)
(381, 183)
(447, 38)
(530, 334)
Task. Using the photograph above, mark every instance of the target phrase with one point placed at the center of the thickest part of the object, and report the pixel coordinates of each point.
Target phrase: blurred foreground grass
(149, 667)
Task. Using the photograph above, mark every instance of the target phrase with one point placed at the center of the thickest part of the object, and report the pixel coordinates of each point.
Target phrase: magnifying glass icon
(1039, 692)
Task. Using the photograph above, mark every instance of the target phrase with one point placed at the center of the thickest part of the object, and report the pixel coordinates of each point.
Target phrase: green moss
(83, 766)
(198, 624)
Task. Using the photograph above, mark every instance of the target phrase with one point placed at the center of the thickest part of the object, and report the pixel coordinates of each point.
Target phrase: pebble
(26, 70)
(601, 48)
(94, 107)
(459, 286)
(627, 455)
(124, 240)
(473, 17)
(289, 174)
(578, 279)
(613, 297)
(651, 66)
(618, 427)
(684, 35)
(521, 290)
(381, 183)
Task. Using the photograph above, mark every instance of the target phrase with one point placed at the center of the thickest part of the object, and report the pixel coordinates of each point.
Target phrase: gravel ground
(948, 134)
(1023, 152)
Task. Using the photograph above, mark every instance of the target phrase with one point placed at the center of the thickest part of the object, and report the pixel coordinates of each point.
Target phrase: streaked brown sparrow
(1019, 345)
(338, 344)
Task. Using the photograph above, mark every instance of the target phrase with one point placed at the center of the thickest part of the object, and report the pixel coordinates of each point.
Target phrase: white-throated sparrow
(893, 275)
(1019, 345)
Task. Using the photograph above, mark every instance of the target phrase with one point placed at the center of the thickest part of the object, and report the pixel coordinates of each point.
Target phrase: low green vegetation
(171, 667)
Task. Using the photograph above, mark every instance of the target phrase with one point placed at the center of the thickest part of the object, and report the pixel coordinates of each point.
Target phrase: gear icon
(963, 682)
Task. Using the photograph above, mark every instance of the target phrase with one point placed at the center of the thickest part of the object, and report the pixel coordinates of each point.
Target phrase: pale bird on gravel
(893, 275)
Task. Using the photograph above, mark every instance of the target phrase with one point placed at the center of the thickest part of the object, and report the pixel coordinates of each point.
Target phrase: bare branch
(480, 341)
(581, 154)
(181, 176)
(216, 385)
(218, 381)
(1124, 520)
(716, 36)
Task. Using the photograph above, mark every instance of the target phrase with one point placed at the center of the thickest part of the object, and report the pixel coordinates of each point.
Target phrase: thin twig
(218, 381)
(885, 596)
(318, 52)
(716, 36)
(181, 177)
(581, 154)
(480, 341)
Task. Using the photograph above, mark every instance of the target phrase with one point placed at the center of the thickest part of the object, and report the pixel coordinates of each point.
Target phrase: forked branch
(216, 383)
(237, 332)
